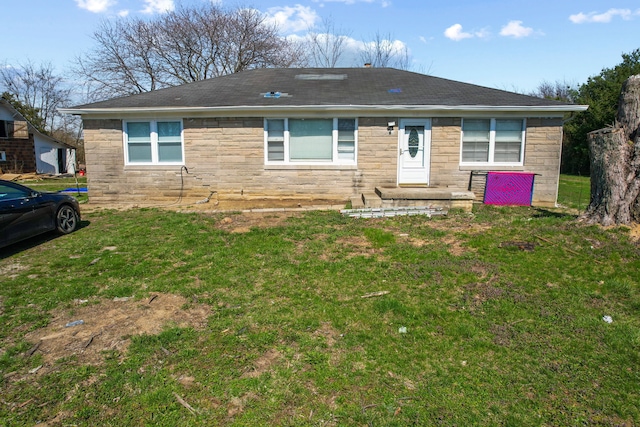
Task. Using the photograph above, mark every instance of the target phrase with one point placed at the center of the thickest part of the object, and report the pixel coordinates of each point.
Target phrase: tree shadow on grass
(546, 213)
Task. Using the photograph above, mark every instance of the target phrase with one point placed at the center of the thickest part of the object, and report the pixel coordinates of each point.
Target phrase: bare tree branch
(383, 51)
(558, 90)
(327, 45)
(188, 44)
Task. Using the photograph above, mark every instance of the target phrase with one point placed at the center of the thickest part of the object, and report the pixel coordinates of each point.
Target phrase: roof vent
(321, 76)
(275, 95)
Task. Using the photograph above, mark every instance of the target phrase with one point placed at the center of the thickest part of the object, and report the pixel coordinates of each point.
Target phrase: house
(264, 137)
(25, 149)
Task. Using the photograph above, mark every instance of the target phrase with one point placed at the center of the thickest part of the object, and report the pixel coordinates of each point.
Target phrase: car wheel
(66, 219)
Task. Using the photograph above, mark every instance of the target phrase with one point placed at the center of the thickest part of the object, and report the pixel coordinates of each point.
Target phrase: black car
(26, 213)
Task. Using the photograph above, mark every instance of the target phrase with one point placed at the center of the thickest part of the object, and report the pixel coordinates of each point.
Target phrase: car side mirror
(34, 194)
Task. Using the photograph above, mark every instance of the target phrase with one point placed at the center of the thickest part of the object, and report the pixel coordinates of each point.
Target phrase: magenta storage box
(509, 188)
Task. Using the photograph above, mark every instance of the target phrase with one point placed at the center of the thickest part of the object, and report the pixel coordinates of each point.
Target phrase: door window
(413, 139)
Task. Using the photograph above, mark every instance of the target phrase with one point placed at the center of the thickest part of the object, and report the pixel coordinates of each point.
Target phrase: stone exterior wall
(542, 156)
(445, 154)
(377, 154)
(225, 157)
(543, 145)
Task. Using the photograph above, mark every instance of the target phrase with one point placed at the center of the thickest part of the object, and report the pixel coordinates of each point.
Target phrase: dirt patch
(635, 233)
(108, 325)
(243, 223)
(237, 404)
(502, 334)
(454, 245)
(465, 225)
(217, 203)
(416, 243)
(263, 364)
(12, 270)
(328, 333)
(357, 246)
(520, 245)
(475, 294)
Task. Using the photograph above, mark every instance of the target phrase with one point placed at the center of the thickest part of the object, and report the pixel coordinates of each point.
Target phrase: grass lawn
(574, 192)
(490, 318)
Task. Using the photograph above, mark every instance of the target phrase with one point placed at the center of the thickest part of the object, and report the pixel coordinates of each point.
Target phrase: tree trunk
(629, 106)
(615, 163)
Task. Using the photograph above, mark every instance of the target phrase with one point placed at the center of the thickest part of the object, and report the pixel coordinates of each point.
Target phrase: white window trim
(154, 142)
(492, 145)
(336, 161)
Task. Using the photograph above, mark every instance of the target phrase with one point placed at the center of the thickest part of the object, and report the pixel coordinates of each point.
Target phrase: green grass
(495, 335)
(574, 192)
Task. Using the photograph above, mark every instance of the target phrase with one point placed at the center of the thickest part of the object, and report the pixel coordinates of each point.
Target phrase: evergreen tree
(601, 93)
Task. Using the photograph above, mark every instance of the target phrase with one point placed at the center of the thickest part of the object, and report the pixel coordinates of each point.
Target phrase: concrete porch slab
(420, 196)
(416, 193)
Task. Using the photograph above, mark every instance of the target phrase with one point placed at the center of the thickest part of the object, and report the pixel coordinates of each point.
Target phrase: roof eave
(274, 109)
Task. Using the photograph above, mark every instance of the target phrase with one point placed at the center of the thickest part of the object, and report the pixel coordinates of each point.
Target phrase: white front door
(414, 139)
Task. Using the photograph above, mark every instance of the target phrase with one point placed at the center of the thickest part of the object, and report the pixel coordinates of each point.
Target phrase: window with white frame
(153, 142)
(493, 141)
(310, 141)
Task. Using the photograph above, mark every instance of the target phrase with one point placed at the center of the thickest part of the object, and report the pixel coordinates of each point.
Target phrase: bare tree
(558, 90)
(39, 88)
(383, 51)
(188, 44)
(122, 62)
(251, 43)
(327, 45)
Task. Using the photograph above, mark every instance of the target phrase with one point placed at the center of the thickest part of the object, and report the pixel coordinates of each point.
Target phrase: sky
(506, 44)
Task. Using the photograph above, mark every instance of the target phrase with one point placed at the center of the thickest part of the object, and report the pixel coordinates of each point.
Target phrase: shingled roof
(325, 88)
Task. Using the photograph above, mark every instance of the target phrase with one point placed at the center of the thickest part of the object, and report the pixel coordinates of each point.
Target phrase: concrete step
(420, 196)
(371, 199)
(357, 202)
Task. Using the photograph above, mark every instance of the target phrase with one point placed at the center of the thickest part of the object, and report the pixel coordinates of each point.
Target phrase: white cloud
(95, 6)
(603, 18)
(158, 6)
(456, 33)
(292, 19)
(395, 47)
(482, 34)
(516, 30)
(123, 13)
